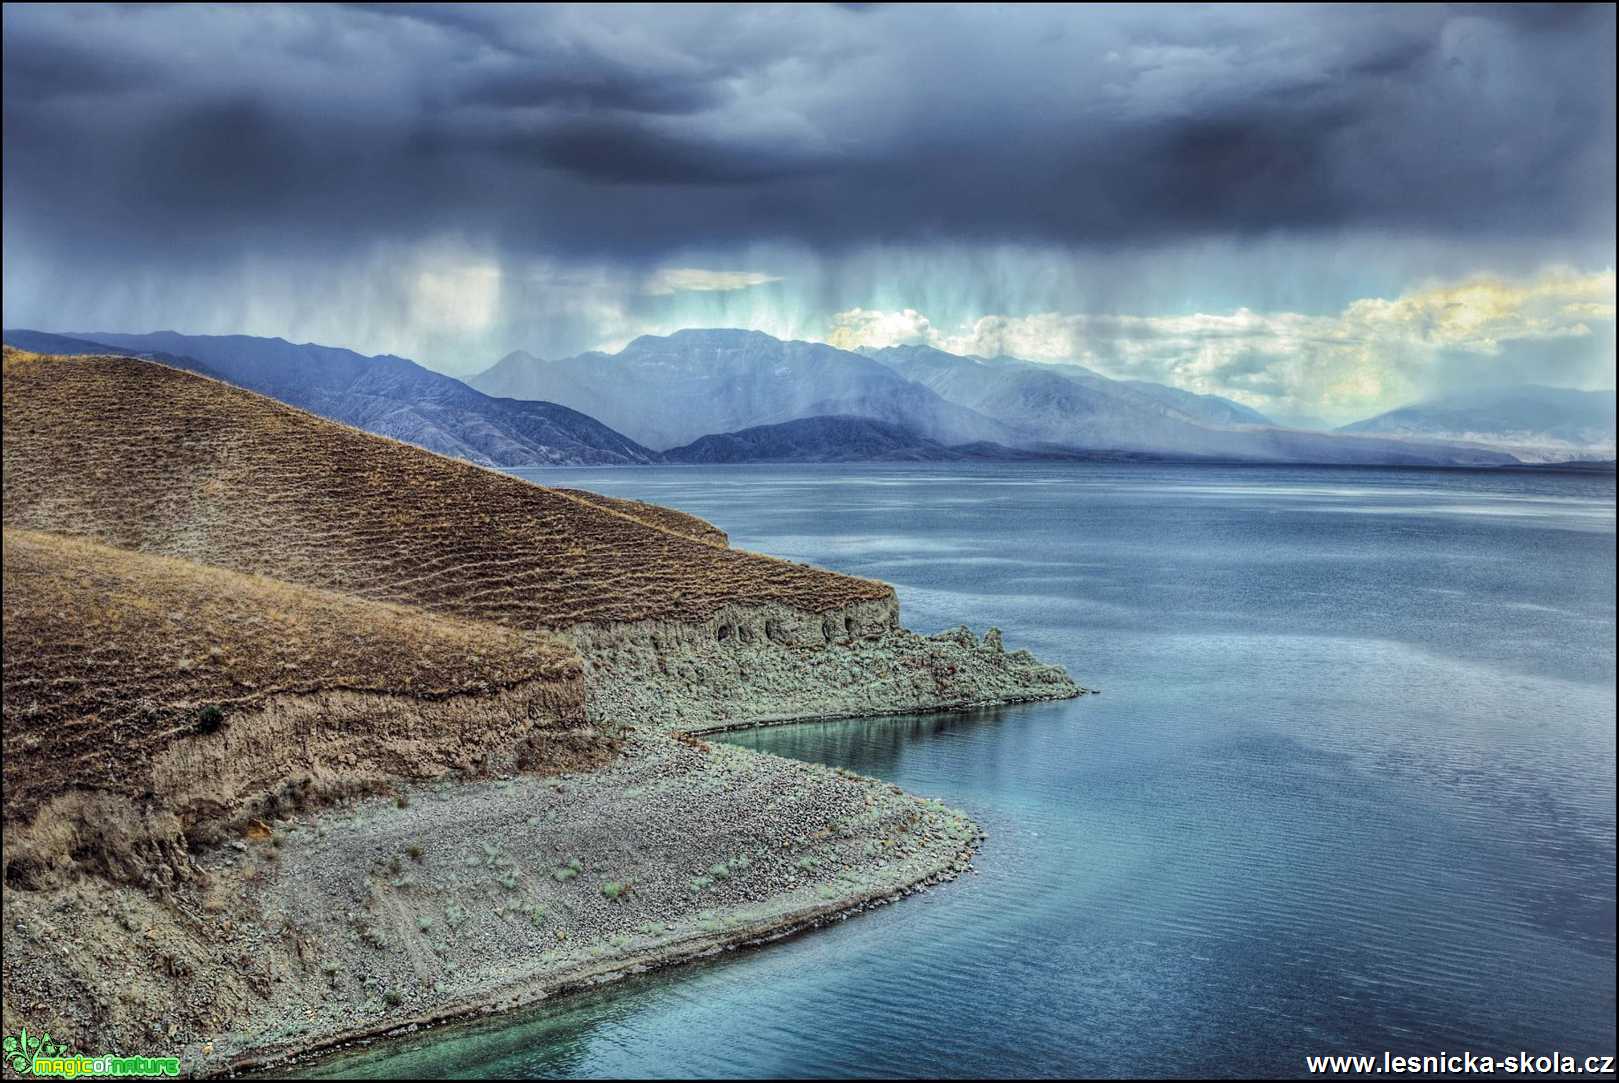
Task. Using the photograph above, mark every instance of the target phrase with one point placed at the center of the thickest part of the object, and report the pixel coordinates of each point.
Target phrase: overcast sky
(1318, 211)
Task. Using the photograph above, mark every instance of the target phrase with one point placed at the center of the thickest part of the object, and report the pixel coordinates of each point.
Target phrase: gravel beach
(453, 899)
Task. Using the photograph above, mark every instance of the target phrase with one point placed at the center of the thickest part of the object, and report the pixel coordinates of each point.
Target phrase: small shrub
(392, 998)
(402, 801)
(454, 914)
(415, 852)
(209, 719)
(612, 889)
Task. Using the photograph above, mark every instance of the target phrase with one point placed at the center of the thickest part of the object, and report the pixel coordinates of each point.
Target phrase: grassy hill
(677, 522)
(151, 458)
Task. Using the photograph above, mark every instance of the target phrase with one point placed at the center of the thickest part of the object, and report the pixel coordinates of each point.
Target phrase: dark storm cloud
(623, 133)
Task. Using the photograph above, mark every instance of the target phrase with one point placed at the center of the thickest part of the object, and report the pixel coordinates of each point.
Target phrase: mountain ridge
(1533, 420)
(1071, 406)
(667, 391)
(822, 438)
(385, 394)
(724, 389)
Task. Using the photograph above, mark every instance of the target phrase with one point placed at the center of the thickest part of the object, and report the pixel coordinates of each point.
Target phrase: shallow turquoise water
(1349, 787)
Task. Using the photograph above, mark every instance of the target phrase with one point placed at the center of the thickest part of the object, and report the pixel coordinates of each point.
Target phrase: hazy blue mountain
(1071, 406)
(742, 388)
(1535, 422)
(387, 395)
(1064, 403)
(1074, 407)
(667, 391)
(1209, 409)
(818, 439)
(864, 439)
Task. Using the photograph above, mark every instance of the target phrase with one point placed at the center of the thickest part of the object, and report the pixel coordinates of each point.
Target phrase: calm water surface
(1349, 786)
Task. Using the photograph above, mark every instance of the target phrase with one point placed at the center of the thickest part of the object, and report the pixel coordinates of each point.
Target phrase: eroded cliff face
(756, 664)
(297, 752)
(340, 740)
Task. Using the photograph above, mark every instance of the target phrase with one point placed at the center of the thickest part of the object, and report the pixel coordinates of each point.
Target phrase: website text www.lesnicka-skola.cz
(1464, 1063)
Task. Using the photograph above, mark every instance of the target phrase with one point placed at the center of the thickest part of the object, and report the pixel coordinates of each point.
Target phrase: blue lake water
(1349, 787)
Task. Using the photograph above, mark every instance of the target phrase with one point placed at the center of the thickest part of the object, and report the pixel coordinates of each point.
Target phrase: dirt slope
(150, 458)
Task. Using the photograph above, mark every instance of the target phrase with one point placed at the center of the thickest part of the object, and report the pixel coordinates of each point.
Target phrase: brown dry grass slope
(139, 686)
(677, 522)
(147, 457)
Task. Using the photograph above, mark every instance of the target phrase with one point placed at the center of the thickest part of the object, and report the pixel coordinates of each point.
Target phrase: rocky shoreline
(531, 996)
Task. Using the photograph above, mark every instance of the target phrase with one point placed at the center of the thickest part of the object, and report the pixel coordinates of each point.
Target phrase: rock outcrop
(752, 665)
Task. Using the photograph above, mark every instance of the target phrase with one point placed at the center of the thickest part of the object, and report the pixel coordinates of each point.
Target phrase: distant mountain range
(1535, 423)
(817, 440)
(863, 439)
(1071, 406)
(386, 395)
(836, 439)
(1061, 402)
(668, 391)
(743, 396)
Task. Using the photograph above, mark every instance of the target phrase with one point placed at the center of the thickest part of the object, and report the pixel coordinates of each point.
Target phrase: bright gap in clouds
(672, 280)
(1555, 328)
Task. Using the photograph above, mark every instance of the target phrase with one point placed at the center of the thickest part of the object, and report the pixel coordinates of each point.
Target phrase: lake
(1349, 785)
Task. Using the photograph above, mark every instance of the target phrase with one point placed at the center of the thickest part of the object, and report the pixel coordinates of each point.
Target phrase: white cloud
(871, 327)
(1376, 353)
(671, 280)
